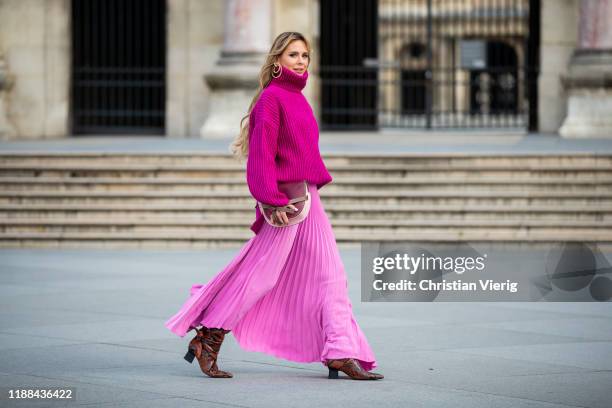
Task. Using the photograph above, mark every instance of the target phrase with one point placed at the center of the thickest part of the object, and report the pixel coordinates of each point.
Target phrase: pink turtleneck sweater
(283, 142)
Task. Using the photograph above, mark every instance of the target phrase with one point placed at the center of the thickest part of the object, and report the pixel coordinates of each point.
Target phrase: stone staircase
(167, 200)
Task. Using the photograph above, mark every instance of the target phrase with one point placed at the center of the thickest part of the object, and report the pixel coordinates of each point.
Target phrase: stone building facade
(214, 49)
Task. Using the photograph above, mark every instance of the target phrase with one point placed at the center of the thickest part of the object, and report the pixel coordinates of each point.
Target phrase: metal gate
(429, 64)
(118, 66)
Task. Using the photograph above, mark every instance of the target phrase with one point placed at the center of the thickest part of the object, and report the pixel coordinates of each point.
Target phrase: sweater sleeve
(261, 165)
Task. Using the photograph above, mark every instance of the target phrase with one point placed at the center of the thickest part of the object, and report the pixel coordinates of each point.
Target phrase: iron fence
(118, 67)
(429, 64)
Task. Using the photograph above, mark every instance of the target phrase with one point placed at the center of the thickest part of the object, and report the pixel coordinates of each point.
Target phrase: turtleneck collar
(291, 80)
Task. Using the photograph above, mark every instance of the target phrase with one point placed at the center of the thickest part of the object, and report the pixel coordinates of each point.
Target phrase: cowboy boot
(352, 368)
(205, 347)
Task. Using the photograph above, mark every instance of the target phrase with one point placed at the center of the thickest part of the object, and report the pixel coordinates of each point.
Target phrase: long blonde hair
(240, 146)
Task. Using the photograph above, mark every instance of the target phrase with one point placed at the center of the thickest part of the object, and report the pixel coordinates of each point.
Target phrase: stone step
(202, 200)
(360, 222)
(381, 219)
(341, 184)
(576, 175)
(385, 214)
(386, 167)
(241, 221)
(181, 237)
(328, 196)
(121, 206)
(355, 217)
(433, 160)
(349, 233)
(399, 198)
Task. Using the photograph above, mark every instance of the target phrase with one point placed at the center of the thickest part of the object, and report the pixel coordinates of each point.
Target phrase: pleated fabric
(284, 294)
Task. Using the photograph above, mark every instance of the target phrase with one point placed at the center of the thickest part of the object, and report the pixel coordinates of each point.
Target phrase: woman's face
(295, 57)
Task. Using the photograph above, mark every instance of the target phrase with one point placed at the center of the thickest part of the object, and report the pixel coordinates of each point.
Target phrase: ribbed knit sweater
(283, 142)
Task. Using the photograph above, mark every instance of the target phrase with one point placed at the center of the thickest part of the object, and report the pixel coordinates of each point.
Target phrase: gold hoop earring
(275, 71)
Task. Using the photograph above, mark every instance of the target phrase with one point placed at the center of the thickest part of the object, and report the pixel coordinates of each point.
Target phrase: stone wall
(35, 42)
(194, 40)
(34, 38)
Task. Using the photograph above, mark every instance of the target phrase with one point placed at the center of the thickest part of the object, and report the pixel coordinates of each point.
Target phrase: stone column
(7, 130)
(589, 79)
(235, 77)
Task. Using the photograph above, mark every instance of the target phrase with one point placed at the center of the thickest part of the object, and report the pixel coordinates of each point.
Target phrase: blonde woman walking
(285, 293)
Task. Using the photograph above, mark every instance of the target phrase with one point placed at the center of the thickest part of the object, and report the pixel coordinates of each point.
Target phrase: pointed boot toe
(352, 368)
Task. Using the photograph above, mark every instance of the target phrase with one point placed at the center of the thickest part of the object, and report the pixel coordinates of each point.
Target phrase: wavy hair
(240, 146)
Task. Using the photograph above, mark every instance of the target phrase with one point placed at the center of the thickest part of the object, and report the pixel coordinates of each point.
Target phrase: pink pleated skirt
(284, 294)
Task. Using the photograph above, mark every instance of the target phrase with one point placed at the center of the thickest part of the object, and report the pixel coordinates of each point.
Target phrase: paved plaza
(93, 320)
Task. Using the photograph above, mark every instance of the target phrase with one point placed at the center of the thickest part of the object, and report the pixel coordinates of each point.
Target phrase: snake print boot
(205, 347)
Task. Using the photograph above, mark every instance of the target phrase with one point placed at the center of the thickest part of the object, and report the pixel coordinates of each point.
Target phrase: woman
(285, 293)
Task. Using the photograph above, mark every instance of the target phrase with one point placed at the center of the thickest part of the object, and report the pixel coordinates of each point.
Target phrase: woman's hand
(280, 218)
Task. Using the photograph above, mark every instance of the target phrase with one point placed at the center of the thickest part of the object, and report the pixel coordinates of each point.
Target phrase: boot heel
(333, 373)
(189, 356)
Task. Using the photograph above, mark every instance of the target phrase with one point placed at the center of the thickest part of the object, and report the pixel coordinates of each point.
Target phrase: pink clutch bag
(299, 196)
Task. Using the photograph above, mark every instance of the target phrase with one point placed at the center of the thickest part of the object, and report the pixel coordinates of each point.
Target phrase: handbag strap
(286, 208)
